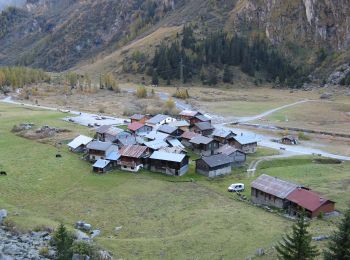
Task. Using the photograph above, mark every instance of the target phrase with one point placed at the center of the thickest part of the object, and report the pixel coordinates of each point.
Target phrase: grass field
(162, 217)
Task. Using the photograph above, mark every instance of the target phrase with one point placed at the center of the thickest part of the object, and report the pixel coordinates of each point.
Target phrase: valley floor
(190, 217)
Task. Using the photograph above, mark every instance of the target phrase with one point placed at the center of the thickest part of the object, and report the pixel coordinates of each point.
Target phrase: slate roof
(203, 118)
(189, 113)
(114, 131)
(103, 129)
(167, 129)
(156, 144)
(80, 140)
(274, 186)
(204, 126)
(113, 156)
(101, 163)
(217, 160)
(137, 116)
(223, 133)
(245, 139)
(174, 149)
(156, 135)
(157, 119)
(99, 146)
(227, 150)
(189, 135)
(129, 140)
(201, 140)
(164, 156)
(307, 199)
(133, 151)
(176, 143)
(135, 126)
(179, 123)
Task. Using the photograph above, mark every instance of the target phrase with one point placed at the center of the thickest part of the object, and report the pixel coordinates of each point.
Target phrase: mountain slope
(60, 34)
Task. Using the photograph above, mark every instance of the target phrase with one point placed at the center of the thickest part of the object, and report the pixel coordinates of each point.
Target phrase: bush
(44, 251)
(141, 92)
(84, 248)
(182, 93)
(9, 224)
(101, 109)
(302, 136)
(63, 241)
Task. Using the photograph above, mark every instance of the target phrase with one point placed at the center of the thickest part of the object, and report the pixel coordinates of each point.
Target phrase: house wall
(214, 173)
(247, 148)
(95, 155)
(238, 158)
(262, 198)
(325, 208)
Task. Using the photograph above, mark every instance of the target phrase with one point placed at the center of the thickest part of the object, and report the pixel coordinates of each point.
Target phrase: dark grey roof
(103, 129)
(157, 119)
(137, 116)
(99, 146)
(167, 129)
(274, 186)
(222, 132)
(201, 140)
(129, 140)
(203, 118)
(204, 126)
(217, 160)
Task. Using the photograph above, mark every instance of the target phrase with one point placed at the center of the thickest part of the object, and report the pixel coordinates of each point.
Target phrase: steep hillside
(60, 34)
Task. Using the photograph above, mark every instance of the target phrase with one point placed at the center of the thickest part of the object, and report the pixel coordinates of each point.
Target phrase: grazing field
(332, 117)
(190, 217)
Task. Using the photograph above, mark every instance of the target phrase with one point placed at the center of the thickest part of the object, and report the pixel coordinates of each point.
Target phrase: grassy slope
(160, 218)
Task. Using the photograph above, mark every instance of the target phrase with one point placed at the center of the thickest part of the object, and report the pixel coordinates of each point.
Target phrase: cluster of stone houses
(291, 197)
(160, 143)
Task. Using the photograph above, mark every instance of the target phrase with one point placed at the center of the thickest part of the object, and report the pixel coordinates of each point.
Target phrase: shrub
(101, 109)
(83, 248)
(44, 251)
(141, 92)
(302, 136)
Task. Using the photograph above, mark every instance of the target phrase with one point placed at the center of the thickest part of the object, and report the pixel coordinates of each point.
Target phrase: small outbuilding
(246, 143)
(169, 163)
(289, 140)
(213, 166)
(223, 135)
(99, 150)
(79, 143)
(101, 166)
(302, 200)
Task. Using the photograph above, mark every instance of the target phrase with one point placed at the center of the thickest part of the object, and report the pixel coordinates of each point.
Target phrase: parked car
(236, 187)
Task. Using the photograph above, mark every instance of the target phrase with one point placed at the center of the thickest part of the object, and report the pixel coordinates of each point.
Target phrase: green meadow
(189, 217)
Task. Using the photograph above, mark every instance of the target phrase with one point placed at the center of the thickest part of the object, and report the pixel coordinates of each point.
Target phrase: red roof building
(313, 204)
(135, 126)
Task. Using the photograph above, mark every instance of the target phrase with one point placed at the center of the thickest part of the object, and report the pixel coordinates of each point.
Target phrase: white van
(236, 187)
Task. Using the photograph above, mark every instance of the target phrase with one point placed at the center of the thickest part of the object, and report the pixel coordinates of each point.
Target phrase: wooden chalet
(79, 143)
(169, 163)
(186, 137)
(203, 145)
(170, 130)
(138, 128)
(182, 124)
(203, 128)
(99, 150)
(133, 157)
(108, 133)
(159, 120)
(101, 166)
(245, 143)
(213, 166)
(139, 118)
(187, 115)
(303, 200)
(238, 157)
(289, 140)
(223, 136)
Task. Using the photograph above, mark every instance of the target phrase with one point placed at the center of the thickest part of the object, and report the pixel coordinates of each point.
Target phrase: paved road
(263, 140)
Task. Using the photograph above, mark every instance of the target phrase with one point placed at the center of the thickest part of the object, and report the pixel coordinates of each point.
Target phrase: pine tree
(228, 75)
(63, 241)
(339, 246)
(297, 246)
(155, 80)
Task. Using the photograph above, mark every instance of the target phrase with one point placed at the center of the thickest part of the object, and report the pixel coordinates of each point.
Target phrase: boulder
(3, 215)
(83, 226)
(104, 255)
(118, 229)
(81, 236)
(260, 252)
(80, 257)
(326, 96)
(95, 233)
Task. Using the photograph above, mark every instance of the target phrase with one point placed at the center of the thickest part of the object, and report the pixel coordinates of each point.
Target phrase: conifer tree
(228, 75)
(297, 246)
(155, 80)
(339, 246)
(63, 241)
